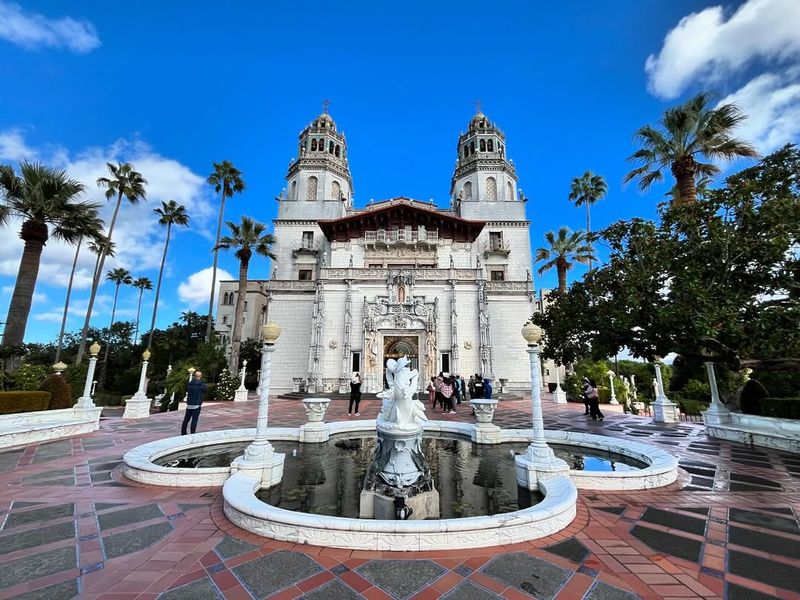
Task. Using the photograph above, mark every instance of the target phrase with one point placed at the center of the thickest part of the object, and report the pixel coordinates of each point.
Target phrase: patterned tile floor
(72, 525)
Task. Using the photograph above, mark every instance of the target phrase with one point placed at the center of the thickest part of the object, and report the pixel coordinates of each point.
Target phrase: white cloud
(708, 47)
(31, 30)
(13, 146)
(194, 290)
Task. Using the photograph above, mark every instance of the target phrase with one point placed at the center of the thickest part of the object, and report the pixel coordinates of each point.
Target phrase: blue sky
(174, 86)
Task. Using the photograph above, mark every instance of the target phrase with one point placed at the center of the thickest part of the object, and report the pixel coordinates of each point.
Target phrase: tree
(42, 197)
(688, 132)
(90, 227)
(118, 277)
(227, 180)
(248, 238)
(732, 287)
(586, 190)
(170, 213)
(127, 183)
(566, 248)
(142, 284)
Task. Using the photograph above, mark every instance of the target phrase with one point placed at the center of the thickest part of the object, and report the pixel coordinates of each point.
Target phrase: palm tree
(127, 183)
(91, 227)
(142, 284)
(248, 237)
(227, 180)
(586, 190)
(688, 132)
(42, 197)
(170, 213)
(566, 248)
(119, 277)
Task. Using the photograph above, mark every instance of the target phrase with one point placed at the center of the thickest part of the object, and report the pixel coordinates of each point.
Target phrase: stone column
(559, 395)
(317, 341)
(485, 347)
(453, 330)
(611, 376)
(716, 414)
(348, 328)
(85, 402)
(664, 410)
(138, 407)
(241, 392)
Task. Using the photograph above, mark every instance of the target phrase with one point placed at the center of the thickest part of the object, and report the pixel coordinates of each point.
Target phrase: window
(245, 305)
(472, 147)
(509, 191)
(468, 191)
(491, 189)
(313, 144)
(337, 150)
(498, 276)
(224, 319)
(483, 145)
(466, 151)
(336, 191)
(495, 240)
(356, 362)
(311, 191)
(293, 195)
(308, 240)
(304, 275)
(490, 145)
(445, 362)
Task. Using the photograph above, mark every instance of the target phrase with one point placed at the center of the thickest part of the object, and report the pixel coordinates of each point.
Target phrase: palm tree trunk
(138, 312)
(96, 283)
(236, 334)
(108, 342)
(588, 230)
(210, 320)
(562, 279)
(66, 301)
(34, 234)
(684, 173)
(158, 288)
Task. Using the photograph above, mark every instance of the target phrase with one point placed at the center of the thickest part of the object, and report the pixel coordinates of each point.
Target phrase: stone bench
(781, 434)
(40, 426)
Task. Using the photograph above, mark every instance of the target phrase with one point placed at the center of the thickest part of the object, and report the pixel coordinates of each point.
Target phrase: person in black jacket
(355, 393)
(194, 401)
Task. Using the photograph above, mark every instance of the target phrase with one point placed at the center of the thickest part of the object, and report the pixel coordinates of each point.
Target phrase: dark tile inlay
(742, 478)
(333, 590)
(229, 547)
(766, 521)
(533, 576)
(674, 520)
(766, 571)
(201, 589)
(469, 591)
(771, 544)
(36, 537)
(189, 506)
(39, 514)
(275, 571)
(128, 516)
(614, 510)
(339, 569)
(59, 591)
(119, 544)
(668, 543)
(38, 565)
(737, 592)
(570, 549)
(604, 591)
(700, 510)
(400, 578)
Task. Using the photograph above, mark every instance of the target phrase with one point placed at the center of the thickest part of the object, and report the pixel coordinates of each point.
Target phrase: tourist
(194, 401)
(431, 389)
(478, 387)
(487, 388)
(471, 387)
(463, 387)
(447, 395)
(355, 393)
(585, 382)
(457, 388)
(592, 398)
(437, 386)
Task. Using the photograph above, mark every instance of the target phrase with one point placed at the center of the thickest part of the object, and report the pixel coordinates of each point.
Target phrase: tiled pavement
(73, 525)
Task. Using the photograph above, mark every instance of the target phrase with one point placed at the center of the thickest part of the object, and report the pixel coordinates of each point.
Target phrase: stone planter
(315, 430)
(485, 431)
(296, 381)
(316, 409)
(484, 410)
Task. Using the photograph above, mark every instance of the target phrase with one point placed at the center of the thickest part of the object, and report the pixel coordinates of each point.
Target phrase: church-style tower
(483, 176)
(319, 184)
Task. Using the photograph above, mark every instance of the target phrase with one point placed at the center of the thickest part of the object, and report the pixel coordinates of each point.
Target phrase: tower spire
(325, 104)
(477, 106)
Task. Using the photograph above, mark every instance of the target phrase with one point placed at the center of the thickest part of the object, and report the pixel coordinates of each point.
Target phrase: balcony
(410, 237)
(305, 247)
(498, 247)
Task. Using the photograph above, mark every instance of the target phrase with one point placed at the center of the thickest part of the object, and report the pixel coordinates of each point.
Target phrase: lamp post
(85, 401)
(260, 459)
(138, 407)
(539, 462)
(716, 413)
(559, 395)
(241, 392)
(58, 367)
(664, 410)
(611, 376)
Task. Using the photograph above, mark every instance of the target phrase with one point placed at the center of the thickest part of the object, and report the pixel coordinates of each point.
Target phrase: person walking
(447, 395)
(586, 411)
(431, 389)
(194, 401)
(457, 388)
(478, 387)
(471, 387)
(355, 393)
(593, 399)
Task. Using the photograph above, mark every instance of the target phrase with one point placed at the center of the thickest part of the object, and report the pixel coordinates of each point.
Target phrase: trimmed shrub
(783, 408)
(225, 388)
(753, 393)
(604, 395)
(689, 406)
(60, 392)
(27, 377)
(695, 390)
(19, 402)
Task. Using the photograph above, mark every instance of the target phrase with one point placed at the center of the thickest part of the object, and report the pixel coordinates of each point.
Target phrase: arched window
(468, 191)
(321, 145)
(313, 144)
(336, 191)
(466, 151)
(472, 147)
(293, 194)
(491, 188)
(490, 145)
(509, 191)
(483, 145)
(330, 147)
(311, 190)
(337, 151)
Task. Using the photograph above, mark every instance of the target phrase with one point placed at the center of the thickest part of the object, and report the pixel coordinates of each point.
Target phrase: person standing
(593, 399)
(431, 392)
(437, 386)
(447, 395)
(487, 388)
(585, 382)
(478, 387)
(355, 394)
(194, 401)
(457, 388)
(471, 387)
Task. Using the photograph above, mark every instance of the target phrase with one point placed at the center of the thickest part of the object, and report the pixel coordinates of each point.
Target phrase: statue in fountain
(400, 411)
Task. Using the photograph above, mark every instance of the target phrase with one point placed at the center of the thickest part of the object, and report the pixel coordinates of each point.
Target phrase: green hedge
(784, 408)
(19, 402)
(689, 406)
(60, 392)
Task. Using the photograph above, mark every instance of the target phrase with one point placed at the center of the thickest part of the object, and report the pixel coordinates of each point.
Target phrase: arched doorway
(395, 346)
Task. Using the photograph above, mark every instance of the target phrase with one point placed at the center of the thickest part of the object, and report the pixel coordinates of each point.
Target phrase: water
(327, 479)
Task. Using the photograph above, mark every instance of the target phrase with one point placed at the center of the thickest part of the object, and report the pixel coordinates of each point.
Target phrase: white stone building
(351, 287)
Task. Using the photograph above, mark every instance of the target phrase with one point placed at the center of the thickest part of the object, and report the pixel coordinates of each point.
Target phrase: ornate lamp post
(138, 407)
(241, 392)
(539, 462)
(664, 410)
(716, 413)
(260, 459)
(611, 376)
(58, 367)
(85, 401)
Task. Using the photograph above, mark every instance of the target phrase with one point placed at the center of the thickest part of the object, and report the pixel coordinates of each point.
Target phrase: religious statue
(400, 410)
(401, 294)
(430, 353)
(372, 350)
(351, 261)
(452, 262)
(655, 388)
(324, 261)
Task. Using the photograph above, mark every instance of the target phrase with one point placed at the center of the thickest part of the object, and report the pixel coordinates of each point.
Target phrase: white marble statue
(400, 411)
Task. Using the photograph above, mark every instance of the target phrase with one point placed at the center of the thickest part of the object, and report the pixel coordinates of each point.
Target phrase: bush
(60, 392)
(753, 393)
(75, 376)
(225, 388)
(604, 395)
(779, 384)
(783, 408)
(691, 407)
(695, 390)
(27, 377)
(19, 402)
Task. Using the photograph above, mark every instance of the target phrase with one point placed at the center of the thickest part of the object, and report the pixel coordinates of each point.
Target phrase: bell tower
(319, 184)
(484, 180)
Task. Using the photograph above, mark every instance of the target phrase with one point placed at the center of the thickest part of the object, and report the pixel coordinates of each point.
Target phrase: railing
(402, 236)
(305, 246)
(497, 247)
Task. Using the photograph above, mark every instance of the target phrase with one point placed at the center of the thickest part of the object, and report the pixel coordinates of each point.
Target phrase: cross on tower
(325, 104)
(477, 106)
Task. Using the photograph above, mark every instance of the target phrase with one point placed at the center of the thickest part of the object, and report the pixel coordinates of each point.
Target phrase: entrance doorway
(396, 346)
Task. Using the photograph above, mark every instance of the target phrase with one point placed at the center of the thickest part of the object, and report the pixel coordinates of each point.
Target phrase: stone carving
(430, 354)
(333, 344)
(468, 345)
(400, 412)
(316, 408)
(372, 350)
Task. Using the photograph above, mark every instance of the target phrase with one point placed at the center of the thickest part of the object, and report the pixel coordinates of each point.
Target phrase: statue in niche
(452, 262)
(372, 350)
(324, 261)
(351, 261)
(430, 353)
(401, 294)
